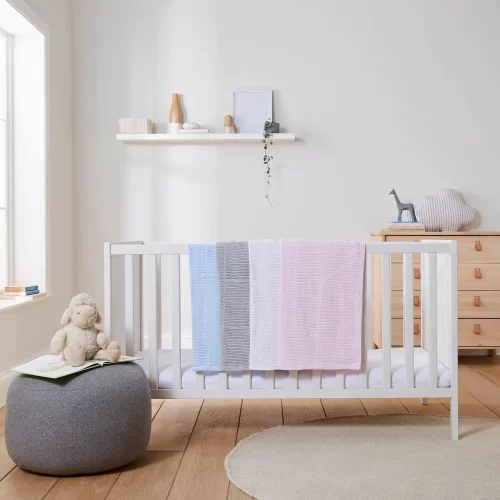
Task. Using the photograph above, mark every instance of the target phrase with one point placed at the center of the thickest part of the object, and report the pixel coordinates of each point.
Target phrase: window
(4, 156)
(22, 150)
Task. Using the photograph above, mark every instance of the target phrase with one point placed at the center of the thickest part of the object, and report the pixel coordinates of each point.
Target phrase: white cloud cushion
(445, 212)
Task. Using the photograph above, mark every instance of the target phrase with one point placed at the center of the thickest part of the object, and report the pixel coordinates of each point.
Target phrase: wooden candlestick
(175, 117)
(228, 123)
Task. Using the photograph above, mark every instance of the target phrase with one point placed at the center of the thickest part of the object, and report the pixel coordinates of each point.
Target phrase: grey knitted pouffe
(95, 421)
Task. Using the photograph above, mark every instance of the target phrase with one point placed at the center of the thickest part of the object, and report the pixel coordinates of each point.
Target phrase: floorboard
(343, 407)
(301, 410)
(481, 388)
(94, 487)
(433, 406)
(6, 464)
(173, 424)
(236, 494)
(383, 406)
(469, 406)
(256, 415)
(155, 406)
(149, 478)
(201, 474)
(22, 485)
(2, 421)
(485, 368)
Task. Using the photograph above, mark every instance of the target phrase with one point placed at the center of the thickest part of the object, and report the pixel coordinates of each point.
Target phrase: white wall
(382, 94)
(25, 331)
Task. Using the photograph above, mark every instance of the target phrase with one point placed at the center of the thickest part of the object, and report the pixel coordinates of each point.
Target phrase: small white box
(135, 126)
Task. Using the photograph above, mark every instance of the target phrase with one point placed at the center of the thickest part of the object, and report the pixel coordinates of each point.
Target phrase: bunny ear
(66, 317)
(99, 319)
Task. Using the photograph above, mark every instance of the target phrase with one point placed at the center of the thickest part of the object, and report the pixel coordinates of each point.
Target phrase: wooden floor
(190, 439)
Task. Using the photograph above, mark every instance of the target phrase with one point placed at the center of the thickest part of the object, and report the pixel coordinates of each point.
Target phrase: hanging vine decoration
(268, 142)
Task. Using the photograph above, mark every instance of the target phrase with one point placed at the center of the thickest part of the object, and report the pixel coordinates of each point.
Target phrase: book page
(53, 366)
(123, 359)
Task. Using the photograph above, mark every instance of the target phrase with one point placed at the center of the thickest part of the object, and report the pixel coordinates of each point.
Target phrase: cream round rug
(370, 457)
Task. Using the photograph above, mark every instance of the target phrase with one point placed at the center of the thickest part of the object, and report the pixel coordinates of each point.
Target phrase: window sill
(8, 305)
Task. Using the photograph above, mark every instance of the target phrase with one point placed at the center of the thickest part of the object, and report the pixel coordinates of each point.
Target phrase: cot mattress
(235, 381)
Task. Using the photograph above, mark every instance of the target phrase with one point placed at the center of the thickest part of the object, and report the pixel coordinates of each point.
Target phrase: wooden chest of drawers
(478, 285)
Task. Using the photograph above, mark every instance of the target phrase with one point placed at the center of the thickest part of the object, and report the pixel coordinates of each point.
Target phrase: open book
(52, 366)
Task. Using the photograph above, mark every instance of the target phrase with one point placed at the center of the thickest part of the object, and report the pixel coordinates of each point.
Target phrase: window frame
(9, 148)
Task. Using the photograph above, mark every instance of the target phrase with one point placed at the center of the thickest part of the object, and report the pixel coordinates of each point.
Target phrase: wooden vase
(175, 115)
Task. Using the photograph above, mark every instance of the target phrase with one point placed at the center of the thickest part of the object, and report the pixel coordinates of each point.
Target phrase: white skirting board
(5, 382)
(7, 378)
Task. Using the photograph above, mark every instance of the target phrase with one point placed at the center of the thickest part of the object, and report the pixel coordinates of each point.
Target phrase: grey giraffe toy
(404, 206)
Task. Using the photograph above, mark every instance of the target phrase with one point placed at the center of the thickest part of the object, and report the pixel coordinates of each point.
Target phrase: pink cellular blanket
(321, 305)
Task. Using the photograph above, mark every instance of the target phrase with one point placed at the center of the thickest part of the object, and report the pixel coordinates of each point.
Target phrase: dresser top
(388, 232)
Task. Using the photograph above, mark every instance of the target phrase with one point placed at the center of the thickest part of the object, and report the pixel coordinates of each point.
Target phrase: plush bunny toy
(80, 340)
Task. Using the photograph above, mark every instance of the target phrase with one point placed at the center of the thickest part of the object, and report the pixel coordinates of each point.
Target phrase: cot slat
(200, 381)
(247, 380)
(367, 322)
(316, 379)
(129, 305)
(408, 319)
(451, 291)
(155, 318)
(269, 379)
(138, 270)
(340, 379)
(293, 378)
(430, 333)
(107, 290)
(386, 319)
(176, 320)
(223, 381)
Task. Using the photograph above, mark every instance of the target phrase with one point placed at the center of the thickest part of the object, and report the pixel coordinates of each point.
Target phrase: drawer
(470, 276)
(398, 257)
(478, 332)
(397, 276)
(476, 304)
(397, 332)
(479, 249)
(478, 276)
(397, 304)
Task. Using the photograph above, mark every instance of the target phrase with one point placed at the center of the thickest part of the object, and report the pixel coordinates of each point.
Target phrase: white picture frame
(251, 110)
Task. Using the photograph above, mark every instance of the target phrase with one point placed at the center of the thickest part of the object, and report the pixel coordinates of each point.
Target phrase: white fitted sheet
(235, 381)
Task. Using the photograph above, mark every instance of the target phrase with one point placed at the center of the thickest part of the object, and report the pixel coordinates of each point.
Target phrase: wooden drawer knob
(416, 273)
(477, 329)
(416, 301)
(478, 246)
(477, 273)
(416, 329)
(477, 301)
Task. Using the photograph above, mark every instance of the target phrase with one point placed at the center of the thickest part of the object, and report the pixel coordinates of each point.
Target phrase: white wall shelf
(200, 138)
